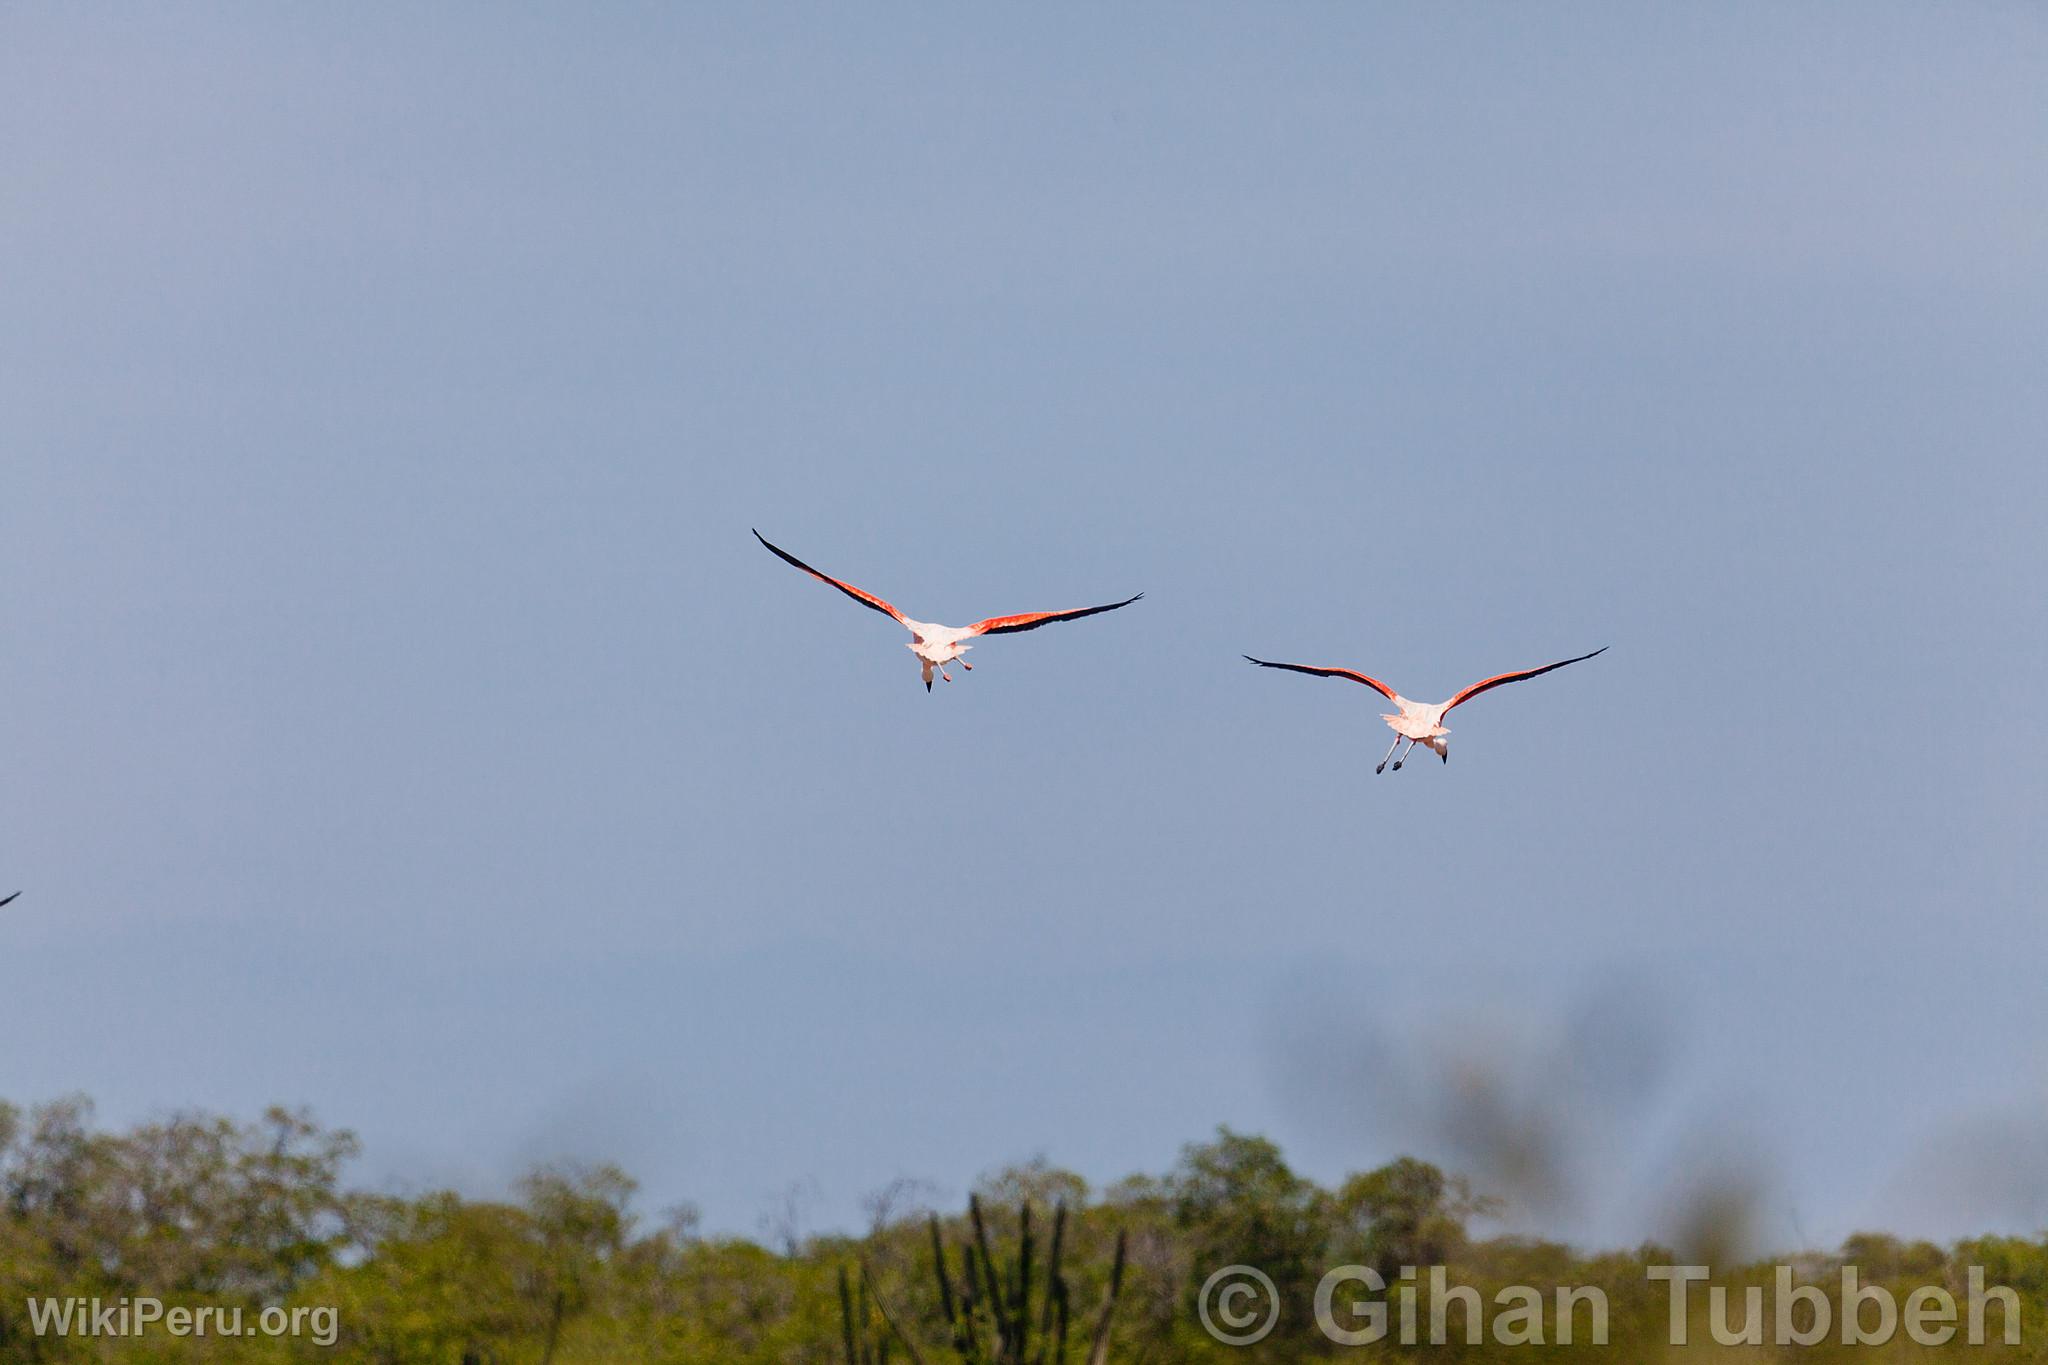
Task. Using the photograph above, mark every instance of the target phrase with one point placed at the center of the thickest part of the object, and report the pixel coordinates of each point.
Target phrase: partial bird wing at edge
(1502, 679)
(1032, 620)
(866, 598)
(1374, 683)
(6, 899)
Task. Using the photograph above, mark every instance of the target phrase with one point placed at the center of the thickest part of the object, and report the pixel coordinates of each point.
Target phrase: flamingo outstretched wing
(864, 598)
(1032, 620)
(1374, 683)
(1502, 679)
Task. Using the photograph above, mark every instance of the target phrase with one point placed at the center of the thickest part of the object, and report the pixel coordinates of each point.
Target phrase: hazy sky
(401, 721)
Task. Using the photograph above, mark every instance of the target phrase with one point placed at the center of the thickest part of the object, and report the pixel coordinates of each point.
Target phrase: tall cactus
(988, 1315)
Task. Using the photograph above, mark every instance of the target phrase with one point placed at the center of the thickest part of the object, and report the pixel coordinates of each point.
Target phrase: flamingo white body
(937, 645)
(1422, 722)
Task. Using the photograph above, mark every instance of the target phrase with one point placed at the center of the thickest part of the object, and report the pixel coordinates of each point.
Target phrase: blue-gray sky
(401, 721)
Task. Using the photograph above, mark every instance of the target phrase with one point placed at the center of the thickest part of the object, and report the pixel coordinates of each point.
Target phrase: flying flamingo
(935, 645)
(1423, 722)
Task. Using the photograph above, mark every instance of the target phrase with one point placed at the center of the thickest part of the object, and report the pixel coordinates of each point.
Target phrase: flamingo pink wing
(865, 598)
(1374, 683)
(1502, 679)
(1032, 620)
